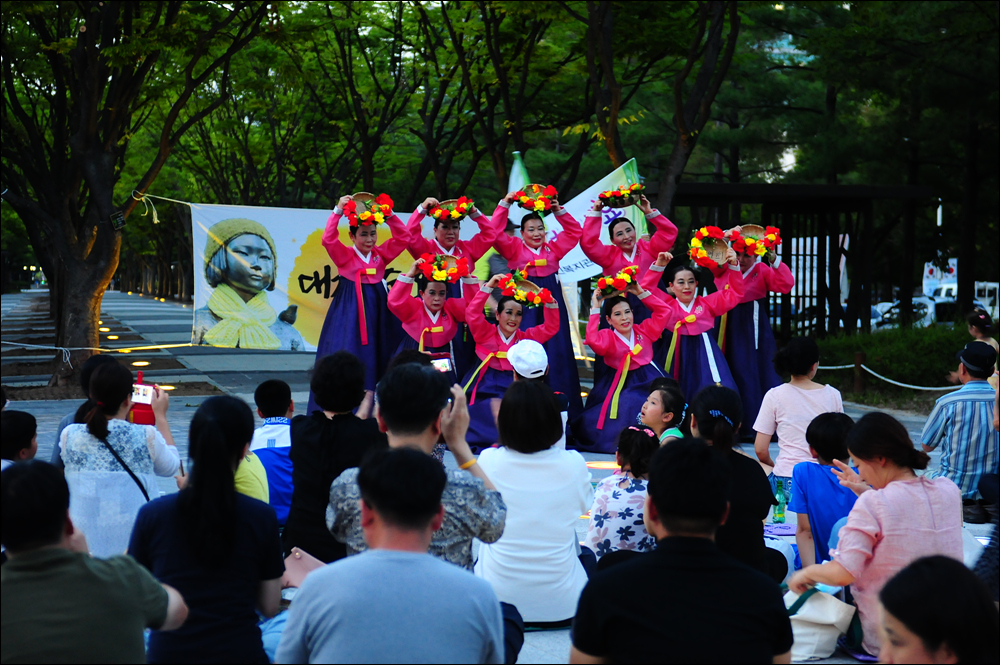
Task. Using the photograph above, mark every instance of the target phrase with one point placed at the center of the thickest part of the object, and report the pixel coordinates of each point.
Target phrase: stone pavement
(238, 373)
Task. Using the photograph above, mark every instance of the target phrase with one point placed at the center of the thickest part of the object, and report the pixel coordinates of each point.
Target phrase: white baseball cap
(528, 358)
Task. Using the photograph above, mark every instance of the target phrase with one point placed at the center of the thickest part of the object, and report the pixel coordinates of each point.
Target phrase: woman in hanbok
(746, 339)
(693, 357)
(431, 318)
(539, 258)
(446, 241)
(627, 349)
(358, 319)
(494, 374)
(626, 249)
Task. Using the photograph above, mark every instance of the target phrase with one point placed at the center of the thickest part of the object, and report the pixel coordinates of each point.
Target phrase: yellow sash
(434, 329)
(690, 318)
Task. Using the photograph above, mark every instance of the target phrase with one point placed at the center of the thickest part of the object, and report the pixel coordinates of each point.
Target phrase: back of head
(220, 431)
(87, 370)
(945, 604)
(529, 419)
(408, 357)
(797, 357)
(881, 435)
(110, 386)
(827, 434)
(689, 484)
(35, 500)
(529, 360)
(411, 397)
(18, 428)
(719, 412)
(402, 485)
(273, 397)
(981, 321)
(338, 382)
(636, 446)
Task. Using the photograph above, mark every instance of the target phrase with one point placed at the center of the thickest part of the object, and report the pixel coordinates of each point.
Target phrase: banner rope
(65, 350)
(888, 380)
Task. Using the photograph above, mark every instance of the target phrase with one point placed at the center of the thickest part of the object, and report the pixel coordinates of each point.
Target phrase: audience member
(61, 605)
(19, 441)
(665, 410)
(324, 444)
(981, 328)
(898, 517)
(111, 464)
(817, 495)
(274, 404)
(531, 363)
(686, 601)
(219, 548)
(395, 603)
(86, 371)
(789, 408)
(534, 564)
(413, 409)
(251, 478)
(937, 611)
(616, 516)
(960, 425)
(416, 357)
(716, 413)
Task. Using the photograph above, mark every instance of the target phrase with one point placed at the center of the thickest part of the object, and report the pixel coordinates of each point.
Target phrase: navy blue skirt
(751, 364)
(341, 330)
(463, 347)
(692, 369)
(639, 313)
(638, 385)
(482, 425)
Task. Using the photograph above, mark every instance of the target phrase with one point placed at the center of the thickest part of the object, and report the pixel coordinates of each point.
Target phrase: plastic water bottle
(778, 517)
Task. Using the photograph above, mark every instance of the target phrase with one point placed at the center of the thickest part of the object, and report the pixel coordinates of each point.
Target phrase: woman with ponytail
(111, 464)
(219, 548)
(898, 518)
(716, 414)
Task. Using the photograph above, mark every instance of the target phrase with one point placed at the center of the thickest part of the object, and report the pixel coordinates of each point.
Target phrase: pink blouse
(698, 316)
(612, 259)
(472, 249)
(489, 339)
(545, 259)
(890, 528)
(612, 345)
(351, 263)
(419, 322)
(760, 280)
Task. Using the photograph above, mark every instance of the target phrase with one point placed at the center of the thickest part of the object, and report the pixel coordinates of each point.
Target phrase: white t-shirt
(534, 565)
(274, 433)
(789, 410)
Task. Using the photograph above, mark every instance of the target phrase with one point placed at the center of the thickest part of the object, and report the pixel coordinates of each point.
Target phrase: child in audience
(275, 405)
(616, 516)
(665, 410)
(19, 442)
(817, 495)
(789, 408)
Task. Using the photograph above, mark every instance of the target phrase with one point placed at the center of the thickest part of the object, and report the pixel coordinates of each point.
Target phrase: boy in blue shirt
(817, 495)
(272, 442)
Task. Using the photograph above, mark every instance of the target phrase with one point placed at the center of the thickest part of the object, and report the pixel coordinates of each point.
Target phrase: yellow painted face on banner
(313, 280)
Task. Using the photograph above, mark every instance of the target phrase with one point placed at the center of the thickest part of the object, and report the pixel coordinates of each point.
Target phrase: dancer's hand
(596, 299)
(731, 257)
(644, 205)
(598, 205)
(412, 272)
(663, 258)
(429, 203)
(343, 201)
(729, 232)
(494, 281)
(511, 196)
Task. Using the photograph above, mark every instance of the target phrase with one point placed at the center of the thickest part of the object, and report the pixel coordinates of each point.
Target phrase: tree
(80, 79)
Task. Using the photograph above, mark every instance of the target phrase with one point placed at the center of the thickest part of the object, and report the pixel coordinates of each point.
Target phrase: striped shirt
(962, 424)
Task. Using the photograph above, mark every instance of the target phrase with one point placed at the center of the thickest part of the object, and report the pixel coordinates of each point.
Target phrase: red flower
(550, 191)
(619, 284)
(350, 207)
(384, 200)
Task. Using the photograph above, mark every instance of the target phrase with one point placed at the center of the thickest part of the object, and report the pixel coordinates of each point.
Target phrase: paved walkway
(238, 373)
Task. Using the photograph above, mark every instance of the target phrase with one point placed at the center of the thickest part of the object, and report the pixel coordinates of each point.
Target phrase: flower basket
(623, 197)
(616, 285)
(365, 209)
(536, 198)
(755, 240)
(525, 292)
(443, 268)
(455, 209)
(708, 247)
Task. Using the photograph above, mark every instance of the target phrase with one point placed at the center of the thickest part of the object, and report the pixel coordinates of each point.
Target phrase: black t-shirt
(684, 602)
(222, 600)
(322, 449)
(742, 536)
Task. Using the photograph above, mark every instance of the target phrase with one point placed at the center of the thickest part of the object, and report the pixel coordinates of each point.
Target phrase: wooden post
(859, 372)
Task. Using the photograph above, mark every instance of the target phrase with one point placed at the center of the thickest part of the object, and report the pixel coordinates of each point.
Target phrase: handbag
(298, 564)
(142, 488)
(818, 620)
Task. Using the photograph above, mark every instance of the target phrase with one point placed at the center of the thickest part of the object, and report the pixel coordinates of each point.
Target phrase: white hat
(528, 359)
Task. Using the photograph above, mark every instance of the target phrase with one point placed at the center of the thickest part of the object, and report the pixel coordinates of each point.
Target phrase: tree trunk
(970, 197)
(909, 228)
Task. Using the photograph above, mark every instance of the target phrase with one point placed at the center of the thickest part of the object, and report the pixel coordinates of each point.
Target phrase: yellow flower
(761, 250)
(379, 217)
(365, 215)
(440, 275)
(539, 205)
(625, 276)
(701, 254)
(703, 231)
(455, 214)
(695, 242)
(771, 237)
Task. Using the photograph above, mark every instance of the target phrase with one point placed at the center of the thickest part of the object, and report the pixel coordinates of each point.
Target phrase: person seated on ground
(534, 565)
(19, 442)
(788, 409)
(716, 413)
(275, 405)
(937, 611)
(219, 548)
(531, 363)
(60, 605)
(395, 602)
(111, 464)
(686, 601)
(817, 495)
(898, 517)
(616, 516)
(960, 426)
(981, 328)
(324, 444)
(413, 409)
(77, 416)
(665, 410)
